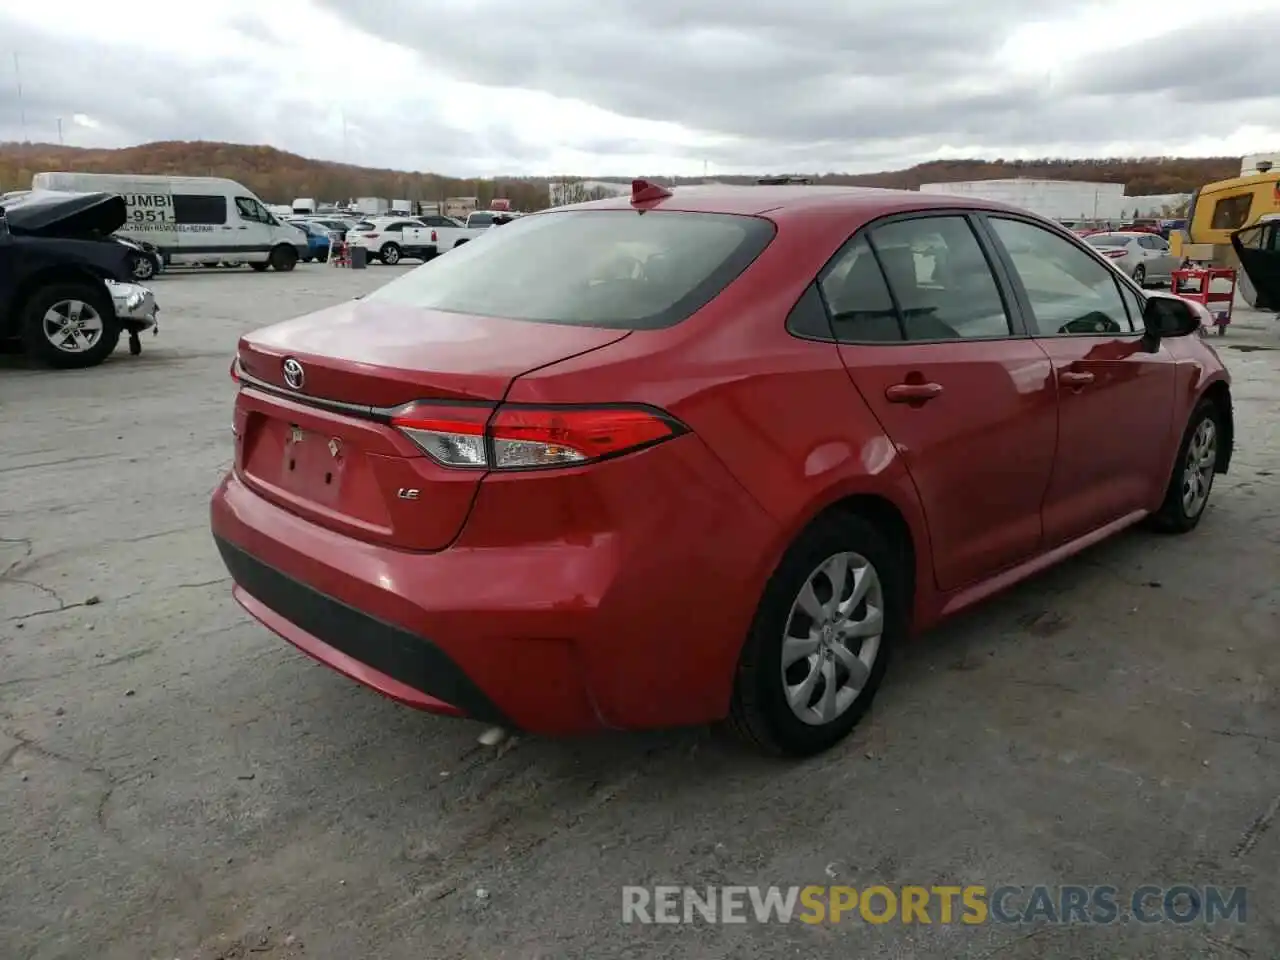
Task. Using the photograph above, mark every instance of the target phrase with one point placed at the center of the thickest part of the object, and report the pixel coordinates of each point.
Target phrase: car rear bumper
(520, 622)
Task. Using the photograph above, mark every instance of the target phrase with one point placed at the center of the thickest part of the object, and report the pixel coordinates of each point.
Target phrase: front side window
(1134, 304)
(1231, 213)
(940, 278)
(197, 209)
(1070, 292)
(621, 269)
(250, 209)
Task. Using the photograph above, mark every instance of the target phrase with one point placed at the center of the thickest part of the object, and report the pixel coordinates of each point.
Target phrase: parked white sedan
(1144, 256)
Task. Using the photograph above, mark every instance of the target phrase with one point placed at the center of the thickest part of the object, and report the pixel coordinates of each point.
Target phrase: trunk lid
(385, 354)
(321, 449)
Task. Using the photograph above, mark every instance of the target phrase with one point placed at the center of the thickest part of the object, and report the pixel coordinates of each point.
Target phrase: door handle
(1073, 378)
(912, 392)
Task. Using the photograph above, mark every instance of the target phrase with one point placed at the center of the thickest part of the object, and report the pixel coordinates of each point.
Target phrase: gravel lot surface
(176, 782)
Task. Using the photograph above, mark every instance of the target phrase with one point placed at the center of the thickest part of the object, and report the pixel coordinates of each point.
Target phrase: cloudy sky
(616, 87)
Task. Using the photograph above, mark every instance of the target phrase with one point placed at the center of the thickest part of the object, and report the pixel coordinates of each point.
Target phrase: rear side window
(619, 269)
(940, 279)
(857, 296)
(194, 208)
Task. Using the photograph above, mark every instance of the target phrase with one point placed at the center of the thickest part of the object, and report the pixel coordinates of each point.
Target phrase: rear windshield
(1107, 240)
(481, 218)
(600, 268)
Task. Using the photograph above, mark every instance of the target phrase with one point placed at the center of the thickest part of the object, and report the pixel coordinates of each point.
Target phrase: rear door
(937, 353)
(1160, 261)
(1116, 390)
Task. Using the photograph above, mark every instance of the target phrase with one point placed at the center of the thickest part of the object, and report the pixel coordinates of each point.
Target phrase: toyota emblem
(293, 374)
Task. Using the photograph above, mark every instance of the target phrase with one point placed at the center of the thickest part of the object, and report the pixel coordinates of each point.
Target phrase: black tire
(283, 259)
(1140, 275)
(260, 267)
(142, 267)
(389, 254)
(760, 712)
(39, 345)
(1174, 515)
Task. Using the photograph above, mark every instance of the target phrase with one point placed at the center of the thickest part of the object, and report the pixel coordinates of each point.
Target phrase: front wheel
(283, 259)
(1140, 275)
(70, 325)
(389, 254)
(142, 267)
(1187, 495)
(819, 645)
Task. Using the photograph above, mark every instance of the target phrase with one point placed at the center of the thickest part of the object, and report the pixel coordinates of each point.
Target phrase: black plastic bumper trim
(392, 650)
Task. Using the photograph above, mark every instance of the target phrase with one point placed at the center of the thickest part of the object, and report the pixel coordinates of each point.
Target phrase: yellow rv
(1219, 209)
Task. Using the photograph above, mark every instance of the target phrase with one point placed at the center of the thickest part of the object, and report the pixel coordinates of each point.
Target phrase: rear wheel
(818, 647)
(389, 254)
(1187, 495)
(70, 325)
(283, 259)
(1140, 275)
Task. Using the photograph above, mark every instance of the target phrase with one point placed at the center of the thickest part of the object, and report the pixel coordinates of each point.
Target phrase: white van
(192, 219)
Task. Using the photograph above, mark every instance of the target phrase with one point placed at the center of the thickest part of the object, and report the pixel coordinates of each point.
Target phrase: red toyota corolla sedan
(680, 457)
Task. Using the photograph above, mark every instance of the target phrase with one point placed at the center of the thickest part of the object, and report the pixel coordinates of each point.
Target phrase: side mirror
(1169, 316)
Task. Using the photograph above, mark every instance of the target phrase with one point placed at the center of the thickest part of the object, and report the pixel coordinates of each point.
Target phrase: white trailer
(371, 206)
(1057, 199)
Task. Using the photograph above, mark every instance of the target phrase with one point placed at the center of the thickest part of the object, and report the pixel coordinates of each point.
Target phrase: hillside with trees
(277, 176)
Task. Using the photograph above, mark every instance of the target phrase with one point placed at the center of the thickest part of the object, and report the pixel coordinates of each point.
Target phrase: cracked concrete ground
(177, 782)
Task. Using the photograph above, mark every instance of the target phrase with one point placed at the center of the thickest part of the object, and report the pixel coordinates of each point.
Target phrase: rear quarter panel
(779, 412)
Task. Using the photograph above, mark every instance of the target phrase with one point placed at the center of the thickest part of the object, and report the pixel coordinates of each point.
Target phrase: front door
(255, 231)
(968, 401)
(1112, 383)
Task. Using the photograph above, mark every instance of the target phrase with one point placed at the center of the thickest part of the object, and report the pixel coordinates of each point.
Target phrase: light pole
(22, 109)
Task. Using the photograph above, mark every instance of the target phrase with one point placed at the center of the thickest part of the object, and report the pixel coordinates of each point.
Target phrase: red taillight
(369, 236)
(524, 438)
(433, 236)
(1115, 254)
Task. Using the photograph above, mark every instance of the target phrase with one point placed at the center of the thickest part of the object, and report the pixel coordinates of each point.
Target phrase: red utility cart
(1197, 285)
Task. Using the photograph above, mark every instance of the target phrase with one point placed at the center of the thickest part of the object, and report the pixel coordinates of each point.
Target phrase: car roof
(785, 202)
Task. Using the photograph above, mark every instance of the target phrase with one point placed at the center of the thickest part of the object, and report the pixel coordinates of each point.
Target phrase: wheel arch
(903, 523)
(1219, 394)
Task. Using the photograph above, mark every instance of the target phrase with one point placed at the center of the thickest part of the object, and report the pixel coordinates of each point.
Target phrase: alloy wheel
(72, 326)
(832, 638)
(1197, 472)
